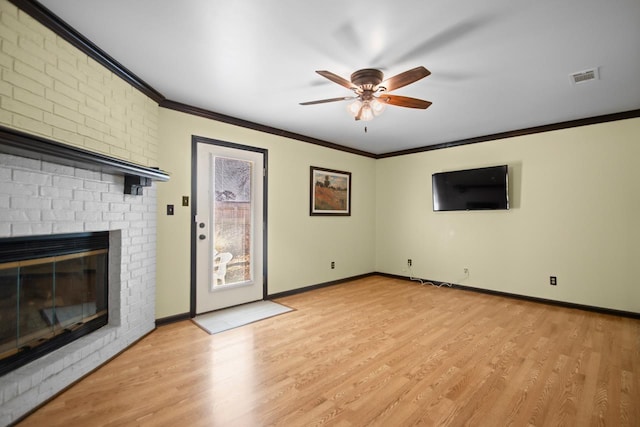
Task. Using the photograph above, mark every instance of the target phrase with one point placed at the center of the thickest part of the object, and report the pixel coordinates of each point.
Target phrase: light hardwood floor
(375, 351)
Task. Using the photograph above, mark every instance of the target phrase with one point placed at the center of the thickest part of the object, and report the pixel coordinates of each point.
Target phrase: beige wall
(575, 197)
(575, 194)
(300, 247)
(51, 89)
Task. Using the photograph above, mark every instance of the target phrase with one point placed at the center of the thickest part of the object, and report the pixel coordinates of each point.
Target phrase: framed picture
(330, 192)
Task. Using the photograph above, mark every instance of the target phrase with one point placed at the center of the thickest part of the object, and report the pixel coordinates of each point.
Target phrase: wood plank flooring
(375, 351)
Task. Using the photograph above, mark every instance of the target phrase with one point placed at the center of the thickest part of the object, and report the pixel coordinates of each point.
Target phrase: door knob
(202, 237)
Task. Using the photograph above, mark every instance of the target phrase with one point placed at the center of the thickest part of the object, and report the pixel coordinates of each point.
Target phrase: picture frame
(330, 192)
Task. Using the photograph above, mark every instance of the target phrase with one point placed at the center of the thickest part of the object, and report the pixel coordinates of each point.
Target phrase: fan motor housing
(367, 76)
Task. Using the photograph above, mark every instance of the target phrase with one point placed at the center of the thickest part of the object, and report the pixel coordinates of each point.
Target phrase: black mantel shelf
(26, 145)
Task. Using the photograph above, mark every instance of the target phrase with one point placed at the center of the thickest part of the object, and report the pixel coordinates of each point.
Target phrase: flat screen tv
(471, 189)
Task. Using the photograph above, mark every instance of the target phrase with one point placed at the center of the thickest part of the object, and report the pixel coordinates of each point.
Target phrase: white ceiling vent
(584, 76)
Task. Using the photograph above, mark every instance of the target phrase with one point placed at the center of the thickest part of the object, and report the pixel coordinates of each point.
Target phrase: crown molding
(64, 30)
(520, 132)
(56, 24)
(173, 105)
(52, 21)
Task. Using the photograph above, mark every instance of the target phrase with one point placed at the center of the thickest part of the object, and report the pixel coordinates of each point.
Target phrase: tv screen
(471, 189)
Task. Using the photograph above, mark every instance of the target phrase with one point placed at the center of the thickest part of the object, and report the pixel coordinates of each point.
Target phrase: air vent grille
(584, 76)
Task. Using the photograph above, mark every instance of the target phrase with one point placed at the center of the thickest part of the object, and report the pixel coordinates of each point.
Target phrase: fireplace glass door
(43, 298)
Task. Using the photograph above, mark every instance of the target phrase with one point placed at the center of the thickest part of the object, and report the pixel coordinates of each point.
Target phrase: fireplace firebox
(53, 290)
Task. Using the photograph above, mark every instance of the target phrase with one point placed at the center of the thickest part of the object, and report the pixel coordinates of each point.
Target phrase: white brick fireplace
(42, 198)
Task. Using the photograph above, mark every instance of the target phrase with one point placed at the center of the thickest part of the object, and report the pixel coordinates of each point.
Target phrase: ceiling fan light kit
(371, 97)
(366, 110)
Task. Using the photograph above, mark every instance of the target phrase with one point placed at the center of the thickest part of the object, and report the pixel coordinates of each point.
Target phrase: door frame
(195, 140)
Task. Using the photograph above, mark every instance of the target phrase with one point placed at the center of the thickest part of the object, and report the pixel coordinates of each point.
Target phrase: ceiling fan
(371, 91)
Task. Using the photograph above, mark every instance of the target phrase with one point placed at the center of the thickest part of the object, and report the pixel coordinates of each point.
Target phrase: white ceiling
(497, 65)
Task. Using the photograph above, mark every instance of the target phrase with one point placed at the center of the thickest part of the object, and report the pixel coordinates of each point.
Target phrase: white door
(229, 227)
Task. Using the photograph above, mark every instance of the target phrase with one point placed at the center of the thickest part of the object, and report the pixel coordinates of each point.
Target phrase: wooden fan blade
(337, 79)
(404, 101)
(405, 78)
(322, 101)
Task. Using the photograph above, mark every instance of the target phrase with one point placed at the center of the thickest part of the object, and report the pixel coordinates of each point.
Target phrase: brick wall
(45, 198)
(49, 88)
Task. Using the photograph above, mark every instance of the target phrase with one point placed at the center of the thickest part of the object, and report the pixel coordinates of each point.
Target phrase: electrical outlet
(553, 280)
(333, 265)
(409, 262)
(466, 270)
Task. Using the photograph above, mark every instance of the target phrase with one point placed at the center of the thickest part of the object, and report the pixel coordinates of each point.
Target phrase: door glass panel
(232, 218)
